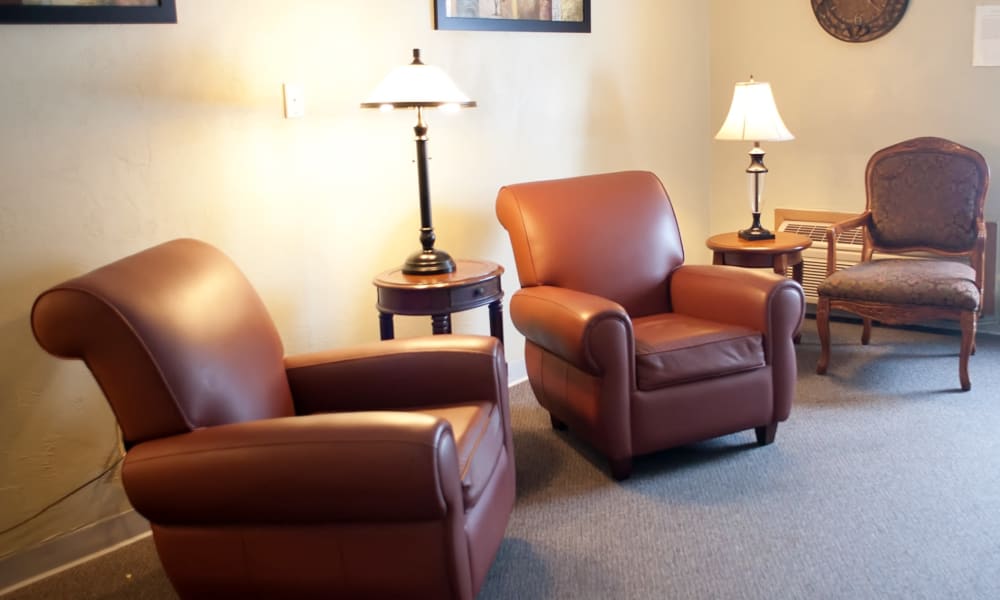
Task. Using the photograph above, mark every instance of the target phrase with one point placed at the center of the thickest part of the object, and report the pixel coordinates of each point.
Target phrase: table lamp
(420, 86)
(754, 117)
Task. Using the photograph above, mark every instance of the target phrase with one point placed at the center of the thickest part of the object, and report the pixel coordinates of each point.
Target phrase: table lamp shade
(753, 115)
(416, 85)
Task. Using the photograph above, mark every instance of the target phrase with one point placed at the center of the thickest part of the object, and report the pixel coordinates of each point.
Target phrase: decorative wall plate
(858, 20)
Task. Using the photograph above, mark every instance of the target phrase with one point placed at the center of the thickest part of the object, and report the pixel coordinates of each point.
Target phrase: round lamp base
(429, 262)
(756, 233)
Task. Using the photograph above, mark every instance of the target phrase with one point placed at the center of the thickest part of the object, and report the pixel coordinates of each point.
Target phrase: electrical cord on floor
(52, 504)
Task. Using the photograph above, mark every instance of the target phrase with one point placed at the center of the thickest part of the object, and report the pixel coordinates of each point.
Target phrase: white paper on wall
(986, 38)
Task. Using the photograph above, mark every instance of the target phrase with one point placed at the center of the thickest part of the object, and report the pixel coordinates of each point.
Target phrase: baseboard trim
(517, 372)
(69, 550)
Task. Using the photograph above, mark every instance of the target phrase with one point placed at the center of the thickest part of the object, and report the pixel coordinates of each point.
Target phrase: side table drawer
(476, 294)
(472, 284)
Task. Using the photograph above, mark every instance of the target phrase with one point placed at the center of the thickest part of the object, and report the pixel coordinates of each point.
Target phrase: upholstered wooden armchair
(626, 345)
(925, 195)
(383, 470)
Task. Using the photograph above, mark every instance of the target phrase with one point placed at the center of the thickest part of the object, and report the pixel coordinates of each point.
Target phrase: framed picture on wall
(88, 11)
(513, 15)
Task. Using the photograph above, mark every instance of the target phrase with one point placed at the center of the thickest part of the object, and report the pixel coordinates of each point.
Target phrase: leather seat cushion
(479, 439)
(671, 348)
(938, 283)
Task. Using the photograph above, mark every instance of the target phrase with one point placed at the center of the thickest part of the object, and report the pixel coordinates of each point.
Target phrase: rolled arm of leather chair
(753, 298)
(564, 321)
(398, 374)
(364, 466)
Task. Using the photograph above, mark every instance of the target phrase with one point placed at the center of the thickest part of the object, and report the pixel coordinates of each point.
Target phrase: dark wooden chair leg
(621, 468)
(556, 423)
(866, 331)
(765, 433)
(968, 322)
(823, 329)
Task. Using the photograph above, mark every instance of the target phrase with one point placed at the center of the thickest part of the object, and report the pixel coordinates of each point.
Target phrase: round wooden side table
(784, 251)
(473, 283)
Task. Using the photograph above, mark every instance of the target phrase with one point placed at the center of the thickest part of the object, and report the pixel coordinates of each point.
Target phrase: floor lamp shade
(418, 85)
(753, 116)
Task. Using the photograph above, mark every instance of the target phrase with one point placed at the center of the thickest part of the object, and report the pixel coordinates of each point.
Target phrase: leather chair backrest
(926, 192)
(175, 336)
(613, 235)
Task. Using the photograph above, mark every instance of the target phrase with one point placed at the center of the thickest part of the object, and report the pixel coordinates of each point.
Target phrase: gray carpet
(884, 483)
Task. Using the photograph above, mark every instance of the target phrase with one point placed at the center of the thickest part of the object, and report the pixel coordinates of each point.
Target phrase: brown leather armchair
(923, 195)
(626, 345)
(384, 470)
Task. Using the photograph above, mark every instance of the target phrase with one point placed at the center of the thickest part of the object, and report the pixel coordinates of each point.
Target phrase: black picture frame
(164, 12)
(443, 21)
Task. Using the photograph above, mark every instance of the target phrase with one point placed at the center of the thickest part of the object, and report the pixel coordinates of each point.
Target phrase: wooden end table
(784, 251)
(474, 283)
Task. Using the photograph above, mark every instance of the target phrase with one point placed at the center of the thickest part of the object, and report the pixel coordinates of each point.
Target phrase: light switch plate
(295, 102)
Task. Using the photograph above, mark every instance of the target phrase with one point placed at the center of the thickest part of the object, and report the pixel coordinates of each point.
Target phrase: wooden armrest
(834, 231)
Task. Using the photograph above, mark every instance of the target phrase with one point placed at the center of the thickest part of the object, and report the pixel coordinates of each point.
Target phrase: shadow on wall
(56, 433)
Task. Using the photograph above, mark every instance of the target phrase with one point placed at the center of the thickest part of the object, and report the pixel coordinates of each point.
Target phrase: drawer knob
(478, 291)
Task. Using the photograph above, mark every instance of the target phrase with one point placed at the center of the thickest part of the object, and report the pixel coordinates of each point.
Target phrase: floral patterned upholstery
(926, 198)
(940, 283)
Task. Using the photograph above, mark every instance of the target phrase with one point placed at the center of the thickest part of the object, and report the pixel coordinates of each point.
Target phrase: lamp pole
(428, 261)
(755, 188)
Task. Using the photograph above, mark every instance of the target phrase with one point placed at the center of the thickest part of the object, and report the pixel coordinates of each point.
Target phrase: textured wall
(118, 137)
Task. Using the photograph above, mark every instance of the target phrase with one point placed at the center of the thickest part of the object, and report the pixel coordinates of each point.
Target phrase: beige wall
(117, 137)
